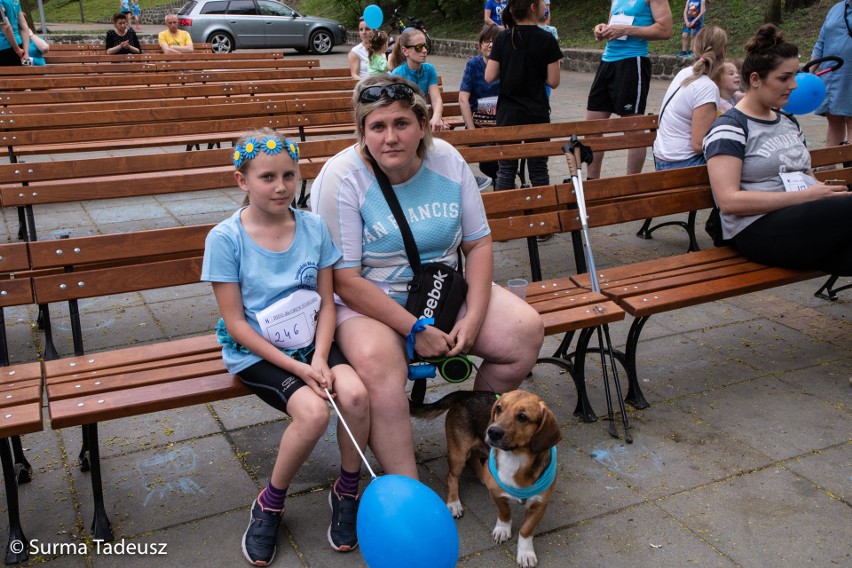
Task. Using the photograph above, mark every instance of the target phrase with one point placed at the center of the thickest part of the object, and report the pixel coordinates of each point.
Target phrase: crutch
(576, 153)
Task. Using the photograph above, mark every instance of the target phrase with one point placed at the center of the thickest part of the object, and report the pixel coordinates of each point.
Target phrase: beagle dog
(516, 436)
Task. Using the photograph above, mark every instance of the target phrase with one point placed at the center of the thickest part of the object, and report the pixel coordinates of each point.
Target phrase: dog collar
(524, 493)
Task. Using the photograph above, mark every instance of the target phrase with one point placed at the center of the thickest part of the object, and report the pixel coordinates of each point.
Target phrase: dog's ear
(548, 433)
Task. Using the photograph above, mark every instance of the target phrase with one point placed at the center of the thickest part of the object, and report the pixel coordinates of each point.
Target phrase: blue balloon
(403, 523)
(373, 16)
(807, 96)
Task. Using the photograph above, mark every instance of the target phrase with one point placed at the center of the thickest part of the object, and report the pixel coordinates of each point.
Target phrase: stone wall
(580, 60)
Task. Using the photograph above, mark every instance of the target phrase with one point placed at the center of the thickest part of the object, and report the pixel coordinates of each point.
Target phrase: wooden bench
(166, 77)
(66, 56)
(20, 393)
(97, 48)
(644, 289)
(70, 70)
(87, 389)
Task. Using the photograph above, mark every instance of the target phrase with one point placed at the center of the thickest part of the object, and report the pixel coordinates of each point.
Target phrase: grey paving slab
(238, 413)
(147, 431)
(829, 469)
(673, 451)
(638, 536)
(167, 486)
(756, 519)
(773, 417)
(210, 541)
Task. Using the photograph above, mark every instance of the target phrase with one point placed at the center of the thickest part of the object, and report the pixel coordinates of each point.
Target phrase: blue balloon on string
(373, 16)
(402, 522)
(807, 96)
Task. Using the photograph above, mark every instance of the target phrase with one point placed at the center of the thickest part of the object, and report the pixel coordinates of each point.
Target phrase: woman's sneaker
(344, 512)
(261, 535)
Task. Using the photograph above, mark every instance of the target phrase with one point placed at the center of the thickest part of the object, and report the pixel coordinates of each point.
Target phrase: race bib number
(621, 20)
(291, 322)
(794, 181)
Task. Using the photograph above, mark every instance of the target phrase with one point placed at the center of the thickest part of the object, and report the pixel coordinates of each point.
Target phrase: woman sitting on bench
(772, 208)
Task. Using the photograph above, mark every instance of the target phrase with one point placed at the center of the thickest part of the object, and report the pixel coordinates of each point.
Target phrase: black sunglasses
(395, 91)
(418, 47)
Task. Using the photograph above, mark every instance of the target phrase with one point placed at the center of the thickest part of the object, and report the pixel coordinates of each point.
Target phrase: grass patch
(68, 11)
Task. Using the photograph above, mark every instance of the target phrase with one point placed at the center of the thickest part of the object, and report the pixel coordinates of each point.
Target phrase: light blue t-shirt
(265, 276)
(619, 49)
(36, 56)
(427, 75)
(11, 8)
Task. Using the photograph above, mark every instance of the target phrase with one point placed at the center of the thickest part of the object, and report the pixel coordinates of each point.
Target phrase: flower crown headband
(271, 145)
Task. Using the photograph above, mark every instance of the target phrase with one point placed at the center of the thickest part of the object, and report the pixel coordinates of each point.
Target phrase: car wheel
(221, 42)
(321, 42)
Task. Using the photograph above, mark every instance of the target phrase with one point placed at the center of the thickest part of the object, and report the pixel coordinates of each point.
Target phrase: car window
(242, 7)
(215, 7)
(269, 8)
(186, 9)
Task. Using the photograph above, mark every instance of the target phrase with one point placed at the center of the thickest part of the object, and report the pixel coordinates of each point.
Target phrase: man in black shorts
(624, 74)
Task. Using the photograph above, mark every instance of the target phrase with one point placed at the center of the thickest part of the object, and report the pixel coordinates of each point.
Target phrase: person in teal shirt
(13, 48)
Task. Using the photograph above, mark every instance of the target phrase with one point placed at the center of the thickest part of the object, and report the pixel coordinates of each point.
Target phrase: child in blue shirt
(693, 21)
(271, 270)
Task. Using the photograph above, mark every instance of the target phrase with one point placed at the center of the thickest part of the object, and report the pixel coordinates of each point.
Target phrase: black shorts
(8, 58)
(274, 386)
(621, 87)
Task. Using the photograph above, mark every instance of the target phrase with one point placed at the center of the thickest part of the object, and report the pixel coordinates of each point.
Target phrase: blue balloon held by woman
(807, 96)
(373, 16)
(401, 522)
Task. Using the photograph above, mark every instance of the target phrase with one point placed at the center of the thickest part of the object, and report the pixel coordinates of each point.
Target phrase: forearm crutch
(576, 153)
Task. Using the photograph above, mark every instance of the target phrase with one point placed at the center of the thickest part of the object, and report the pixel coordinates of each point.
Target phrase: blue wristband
(418, 326)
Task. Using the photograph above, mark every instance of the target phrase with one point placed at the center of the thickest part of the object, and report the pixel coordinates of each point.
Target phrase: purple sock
(347, 483)
(272, 498)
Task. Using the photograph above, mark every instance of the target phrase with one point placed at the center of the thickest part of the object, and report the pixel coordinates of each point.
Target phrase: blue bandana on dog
(524, 493)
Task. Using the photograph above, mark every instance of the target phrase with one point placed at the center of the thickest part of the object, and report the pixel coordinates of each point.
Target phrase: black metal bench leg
(535, 259)
(645, 231)
(828, 292)
(574, 364)
(634, 397)
(101, 527)
(22, 224)
(83, 457)
(44, 319)
(23, 468)
(690, 230)
(17, 549)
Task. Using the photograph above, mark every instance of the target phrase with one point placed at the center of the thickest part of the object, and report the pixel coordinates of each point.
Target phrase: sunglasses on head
(418, 47)
(395, 91)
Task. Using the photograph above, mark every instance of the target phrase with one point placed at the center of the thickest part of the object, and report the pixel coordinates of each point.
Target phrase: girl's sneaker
(138, 27)
(344, 512)
(261, 535)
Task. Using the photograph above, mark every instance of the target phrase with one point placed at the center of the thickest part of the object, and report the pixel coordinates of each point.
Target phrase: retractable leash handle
(817, 62)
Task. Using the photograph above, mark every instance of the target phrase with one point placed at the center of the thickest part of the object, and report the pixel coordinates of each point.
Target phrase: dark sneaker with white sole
(261, 535)
(344, 512)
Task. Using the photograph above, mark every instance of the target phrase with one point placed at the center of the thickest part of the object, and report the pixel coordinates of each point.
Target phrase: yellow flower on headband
(271, 145)
(238, 158)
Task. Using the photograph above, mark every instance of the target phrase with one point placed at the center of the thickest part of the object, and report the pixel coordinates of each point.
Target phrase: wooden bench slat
(14, 258)
(685, 296)
(20, 373)
(143, 400)
(146, 376)
(79, 367)
(20, 420)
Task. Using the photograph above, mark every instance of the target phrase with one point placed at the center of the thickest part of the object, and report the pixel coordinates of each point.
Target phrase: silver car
(232, 24)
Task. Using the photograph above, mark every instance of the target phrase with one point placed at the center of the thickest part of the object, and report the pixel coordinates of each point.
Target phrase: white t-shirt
(674, 143)
(361, 51)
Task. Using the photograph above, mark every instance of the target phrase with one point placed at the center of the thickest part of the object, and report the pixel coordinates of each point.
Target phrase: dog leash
(524, 493)
(351, 436)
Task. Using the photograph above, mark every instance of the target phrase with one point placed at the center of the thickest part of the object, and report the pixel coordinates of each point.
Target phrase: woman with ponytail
(408, 59)
(773, 210)
(690, 103)
(524, 58)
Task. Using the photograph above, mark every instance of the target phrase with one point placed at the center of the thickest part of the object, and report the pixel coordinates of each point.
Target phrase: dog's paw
(502, 531)
(456, 509)
(526, 554)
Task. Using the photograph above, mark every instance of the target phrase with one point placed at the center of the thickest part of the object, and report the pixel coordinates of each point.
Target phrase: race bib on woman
(291, 322)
